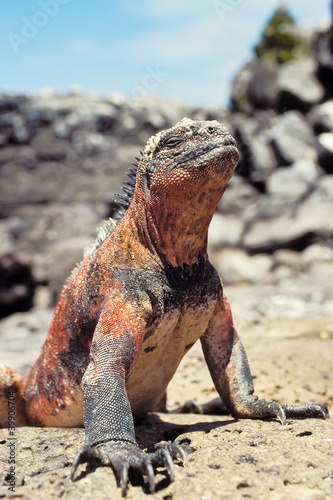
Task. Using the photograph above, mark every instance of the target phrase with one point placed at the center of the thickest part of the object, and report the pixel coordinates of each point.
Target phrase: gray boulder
(321, 117)
(45, 109)
(325, 151)
(290, 229)
(13, 128)
(86, 113)
(144, 116)
(22, 335)
(225, 230)
(319, 252)
(257, 156)
(294, 182)
(236, 266)
(323, 192)
(262, 90)
(240, 86)
(89, 143)
(47, 146)
(254, 86)
(24, 155)
(298, 86)
(323, 53)
(16, 281)
(292, 138)
(239, 193)
(12, 102)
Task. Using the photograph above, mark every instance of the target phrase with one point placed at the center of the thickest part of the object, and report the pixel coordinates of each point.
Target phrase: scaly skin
(136, 306)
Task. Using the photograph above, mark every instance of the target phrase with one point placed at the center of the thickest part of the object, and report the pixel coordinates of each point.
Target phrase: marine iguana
(144, 294)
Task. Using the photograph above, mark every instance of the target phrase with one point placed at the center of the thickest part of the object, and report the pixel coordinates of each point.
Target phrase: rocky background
(62, 158)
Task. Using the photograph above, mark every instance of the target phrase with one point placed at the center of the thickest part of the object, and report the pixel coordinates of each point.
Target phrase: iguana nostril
(229, 141)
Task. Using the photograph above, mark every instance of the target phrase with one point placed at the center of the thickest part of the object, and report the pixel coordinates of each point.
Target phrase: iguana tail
(12, 403)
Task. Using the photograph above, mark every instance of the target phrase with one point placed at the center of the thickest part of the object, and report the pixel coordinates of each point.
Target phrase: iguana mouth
(227, 147)
(222, 151)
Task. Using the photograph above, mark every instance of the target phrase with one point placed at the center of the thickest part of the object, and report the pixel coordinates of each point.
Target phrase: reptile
(143, 295)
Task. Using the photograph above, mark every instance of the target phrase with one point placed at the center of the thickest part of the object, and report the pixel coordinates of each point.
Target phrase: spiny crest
(103, 232)
(123, 200)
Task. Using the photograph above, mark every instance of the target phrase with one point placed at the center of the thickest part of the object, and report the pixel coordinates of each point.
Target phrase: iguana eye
(173, 141)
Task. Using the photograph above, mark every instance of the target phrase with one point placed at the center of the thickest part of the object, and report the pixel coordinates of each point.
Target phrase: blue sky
(187, 50)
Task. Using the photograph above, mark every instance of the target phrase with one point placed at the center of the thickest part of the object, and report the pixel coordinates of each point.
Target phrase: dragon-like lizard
(145, 293)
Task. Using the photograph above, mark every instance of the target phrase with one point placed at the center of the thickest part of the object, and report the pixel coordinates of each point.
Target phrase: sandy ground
(291, 361)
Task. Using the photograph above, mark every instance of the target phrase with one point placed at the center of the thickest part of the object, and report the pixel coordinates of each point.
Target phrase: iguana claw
(252, 407)
(308, 410)
(124, 455)
(281, 415)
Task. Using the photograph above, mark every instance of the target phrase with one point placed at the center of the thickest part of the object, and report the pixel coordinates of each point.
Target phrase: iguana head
(181, 176)
(190, 152)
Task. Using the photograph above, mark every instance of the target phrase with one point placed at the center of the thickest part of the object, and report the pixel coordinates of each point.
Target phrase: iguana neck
(180, 179)
(176, 229)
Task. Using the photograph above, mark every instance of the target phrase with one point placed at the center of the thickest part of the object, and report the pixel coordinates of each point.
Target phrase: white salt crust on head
(152, 143)
(154, 140)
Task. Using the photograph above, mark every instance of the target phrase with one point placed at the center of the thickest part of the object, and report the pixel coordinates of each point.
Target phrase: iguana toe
(252, 407)
(122, 456)
(311, 410)
(165, 456)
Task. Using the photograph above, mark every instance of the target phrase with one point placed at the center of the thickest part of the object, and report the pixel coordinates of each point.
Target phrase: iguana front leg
(229, 368)
(108, 419)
